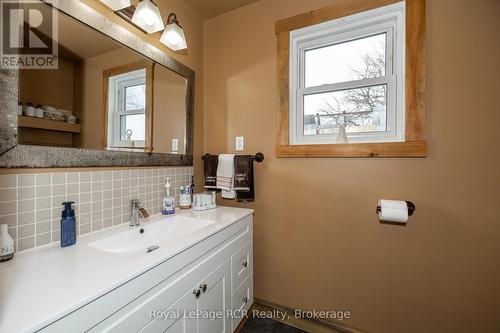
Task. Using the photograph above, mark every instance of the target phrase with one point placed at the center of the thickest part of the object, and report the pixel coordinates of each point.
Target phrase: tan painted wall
(169, 121)
(318, 243)
(92, 118)
(59, 93)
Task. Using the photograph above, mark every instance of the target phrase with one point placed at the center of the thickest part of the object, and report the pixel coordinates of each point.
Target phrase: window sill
(385, 149)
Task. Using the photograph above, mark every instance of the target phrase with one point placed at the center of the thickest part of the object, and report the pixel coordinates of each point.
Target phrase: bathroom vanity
(192, 272)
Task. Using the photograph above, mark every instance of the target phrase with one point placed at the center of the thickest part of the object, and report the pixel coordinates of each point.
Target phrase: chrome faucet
(136, 210)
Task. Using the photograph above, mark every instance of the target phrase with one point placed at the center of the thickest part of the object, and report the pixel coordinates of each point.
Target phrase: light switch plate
(175, 145)
(240, 143)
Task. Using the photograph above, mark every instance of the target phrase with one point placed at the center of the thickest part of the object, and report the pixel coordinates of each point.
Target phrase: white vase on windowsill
(6, 244)
(342, 135)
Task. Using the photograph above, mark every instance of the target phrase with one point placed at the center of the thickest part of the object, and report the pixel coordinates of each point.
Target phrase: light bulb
(147, 16)
(173, 38)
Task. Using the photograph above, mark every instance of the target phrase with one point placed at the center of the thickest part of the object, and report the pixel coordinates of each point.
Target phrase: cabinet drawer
(242, 299)
(241, 265)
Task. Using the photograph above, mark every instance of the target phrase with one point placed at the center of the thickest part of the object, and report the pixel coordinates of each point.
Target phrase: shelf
(51, 125)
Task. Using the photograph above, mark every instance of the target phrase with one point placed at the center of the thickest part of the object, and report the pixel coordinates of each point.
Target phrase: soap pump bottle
(68, 225)
(6, 244)
(168, 201)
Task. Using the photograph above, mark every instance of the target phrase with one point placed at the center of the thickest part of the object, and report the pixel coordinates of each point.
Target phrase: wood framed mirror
(113, 100)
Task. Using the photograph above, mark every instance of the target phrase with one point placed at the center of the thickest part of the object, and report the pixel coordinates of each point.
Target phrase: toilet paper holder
(411, 208)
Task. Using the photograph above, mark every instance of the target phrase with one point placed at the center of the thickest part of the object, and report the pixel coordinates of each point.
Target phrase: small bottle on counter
(68, 225)
(6, 243)
(168, 201)
(185, 197)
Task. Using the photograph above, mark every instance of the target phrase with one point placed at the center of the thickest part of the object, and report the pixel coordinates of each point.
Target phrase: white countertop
(41, 285)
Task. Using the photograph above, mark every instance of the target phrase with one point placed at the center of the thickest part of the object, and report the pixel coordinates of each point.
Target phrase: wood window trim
(415, 143)
(141, 64)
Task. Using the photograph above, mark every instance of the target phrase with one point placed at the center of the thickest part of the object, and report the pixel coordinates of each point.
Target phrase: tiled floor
(263, 325)
(287, 324)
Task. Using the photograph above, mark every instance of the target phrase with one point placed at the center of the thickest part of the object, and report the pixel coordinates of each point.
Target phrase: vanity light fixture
(173, 35)
(147, 16)
(117, 4)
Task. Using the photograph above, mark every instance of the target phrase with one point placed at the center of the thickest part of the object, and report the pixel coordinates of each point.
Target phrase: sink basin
(150, 237)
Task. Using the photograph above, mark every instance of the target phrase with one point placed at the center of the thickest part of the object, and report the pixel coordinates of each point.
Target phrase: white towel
(225, 175)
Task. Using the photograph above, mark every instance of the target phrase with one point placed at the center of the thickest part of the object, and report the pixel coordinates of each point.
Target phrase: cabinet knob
(203, 287)
(197, 292)
(244, 299)
(244, 263)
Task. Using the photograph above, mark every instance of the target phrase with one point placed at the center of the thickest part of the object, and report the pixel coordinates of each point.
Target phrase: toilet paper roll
(393, 211)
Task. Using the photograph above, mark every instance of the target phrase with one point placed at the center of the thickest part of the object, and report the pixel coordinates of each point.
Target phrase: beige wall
(169, 120)
(92, 118)
(33, 87)
(318, 243)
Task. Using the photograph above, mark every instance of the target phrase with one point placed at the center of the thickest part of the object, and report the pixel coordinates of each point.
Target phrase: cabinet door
(215, 301)
(204, 314)
(173, 320)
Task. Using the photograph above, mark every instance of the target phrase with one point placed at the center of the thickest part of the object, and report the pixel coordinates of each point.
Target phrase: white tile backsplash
(31, 204)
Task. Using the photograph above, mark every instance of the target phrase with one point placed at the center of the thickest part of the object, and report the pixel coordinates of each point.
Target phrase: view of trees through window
(135, 97)
(133, 119)
(360, 109)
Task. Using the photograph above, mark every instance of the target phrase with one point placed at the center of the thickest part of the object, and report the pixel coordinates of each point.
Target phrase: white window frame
(117, 87)
(388, 19)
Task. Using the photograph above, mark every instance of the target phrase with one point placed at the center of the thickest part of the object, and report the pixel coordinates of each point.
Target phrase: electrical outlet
(240, 143)
(175, 145)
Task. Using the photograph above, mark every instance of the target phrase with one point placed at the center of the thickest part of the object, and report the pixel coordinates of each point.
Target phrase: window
(127, 109)
(347, 76)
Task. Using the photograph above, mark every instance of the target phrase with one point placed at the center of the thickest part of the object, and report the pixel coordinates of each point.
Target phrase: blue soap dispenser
(68, 225)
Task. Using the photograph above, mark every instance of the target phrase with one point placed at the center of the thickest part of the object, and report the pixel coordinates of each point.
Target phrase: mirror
(102, 96)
